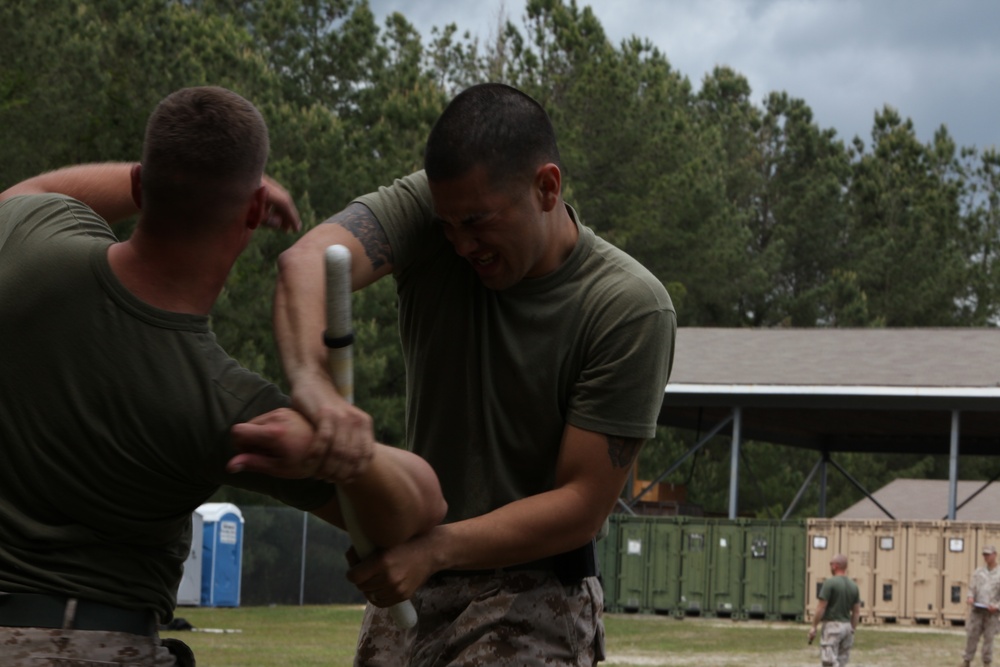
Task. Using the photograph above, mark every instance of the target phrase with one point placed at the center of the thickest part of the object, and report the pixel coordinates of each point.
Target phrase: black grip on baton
(336, 342)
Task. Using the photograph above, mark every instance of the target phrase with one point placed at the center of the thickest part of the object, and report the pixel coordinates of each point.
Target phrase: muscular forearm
(299, 305)
(820, 611)
(104, 187)
(529, 529)
(300, 310)
(397, 497)
(590, 473)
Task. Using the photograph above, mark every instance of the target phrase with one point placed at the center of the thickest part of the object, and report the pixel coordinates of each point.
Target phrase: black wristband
(339, 341)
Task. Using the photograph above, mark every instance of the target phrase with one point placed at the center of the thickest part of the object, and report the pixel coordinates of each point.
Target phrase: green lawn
(325, 635)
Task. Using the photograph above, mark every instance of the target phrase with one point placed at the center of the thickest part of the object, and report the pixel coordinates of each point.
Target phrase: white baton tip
(404, 615)
(338, 254)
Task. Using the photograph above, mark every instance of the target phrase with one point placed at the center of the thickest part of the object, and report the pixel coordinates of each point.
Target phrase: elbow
(427, 509)
(431, 512)
(435, 507)
(291, 258)
(437, 512)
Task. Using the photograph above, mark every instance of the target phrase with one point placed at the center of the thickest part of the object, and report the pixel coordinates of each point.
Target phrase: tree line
(749, 212)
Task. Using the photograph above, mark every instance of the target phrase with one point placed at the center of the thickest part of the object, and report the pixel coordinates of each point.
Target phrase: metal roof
(878, 390)
(904, 358)
(923, 500)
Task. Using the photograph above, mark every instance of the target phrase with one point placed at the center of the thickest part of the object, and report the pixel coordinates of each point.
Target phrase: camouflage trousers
(45, 647)
(980, 624)
(514, 618)
(835, 643)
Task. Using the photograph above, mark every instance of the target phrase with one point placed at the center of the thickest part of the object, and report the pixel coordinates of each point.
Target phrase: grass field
(325, 635)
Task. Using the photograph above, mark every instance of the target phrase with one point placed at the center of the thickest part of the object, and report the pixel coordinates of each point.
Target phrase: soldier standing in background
(839, 608)
(983, 601)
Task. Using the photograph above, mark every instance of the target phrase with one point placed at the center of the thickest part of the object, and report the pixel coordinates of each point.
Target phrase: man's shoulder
(50, 210)
(627, 275)
(25, 202)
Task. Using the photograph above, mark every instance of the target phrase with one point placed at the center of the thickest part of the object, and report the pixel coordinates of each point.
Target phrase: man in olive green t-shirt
(119, 412)
(839, 608)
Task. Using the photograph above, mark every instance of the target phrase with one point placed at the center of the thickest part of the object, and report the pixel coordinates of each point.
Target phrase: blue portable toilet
(222, 554)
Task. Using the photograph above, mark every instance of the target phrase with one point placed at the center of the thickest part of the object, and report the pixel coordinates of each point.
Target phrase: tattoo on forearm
(362, 223)
(623, 450)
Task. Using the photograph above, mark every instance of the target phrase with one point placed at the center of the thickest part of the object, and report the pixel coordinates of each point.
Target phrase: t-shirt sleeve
(38, 219)
(824, 591)
(303, 494)
(405, 212)
(620, 389)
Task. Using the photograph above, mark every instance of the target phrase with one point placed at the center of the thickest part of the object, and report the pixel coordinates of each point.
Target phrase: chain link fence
(293, 558)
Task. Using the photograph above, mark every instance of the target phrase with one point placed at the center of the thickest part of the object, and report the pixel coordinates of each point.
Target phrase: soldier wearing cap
(984, 602)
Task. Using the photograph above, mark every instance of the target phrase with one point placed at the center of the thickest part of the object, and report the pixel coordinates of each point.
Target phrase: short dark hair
(493, 125)
(205, 149)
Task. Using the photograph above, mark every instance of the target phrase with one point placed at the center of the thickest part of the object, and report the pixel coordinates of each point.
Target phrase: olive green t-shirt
(494, 377)
(114, 418)
(841, 594)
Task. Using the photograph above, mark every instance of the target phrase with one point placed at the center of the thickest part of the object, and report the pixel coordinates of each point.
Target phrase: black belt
(570, 567)
(36, 610)
(543, 565)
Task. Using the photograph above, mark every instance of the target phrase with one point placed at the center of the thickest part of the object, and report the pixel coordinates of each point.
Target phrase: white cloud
(936, 62)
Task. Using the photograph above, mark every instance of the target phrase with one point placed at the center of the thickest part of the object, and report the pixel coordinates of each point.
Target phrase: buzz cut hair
(205, 149)
(495, 126)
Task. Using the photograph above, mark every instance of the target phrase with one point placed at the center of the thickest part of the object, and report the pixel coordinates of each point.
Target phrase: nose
(464, 240)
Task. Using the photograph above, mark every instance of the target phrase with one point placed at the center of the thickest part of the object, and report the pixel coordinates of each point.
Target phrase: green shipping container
(664, 565)
(725, 571)
(607, 559)
(633, 563)
(759, 565)
(695, 548)
(790, 571)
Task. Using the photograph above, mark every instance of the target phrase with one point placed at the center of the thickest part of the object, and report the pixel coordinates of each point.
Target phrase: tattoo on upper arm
(623, 450)
(362, 223)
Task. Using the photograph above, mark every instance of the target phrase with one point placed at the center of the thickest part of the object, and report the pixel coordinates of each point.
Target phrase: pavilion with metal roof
(893, 391)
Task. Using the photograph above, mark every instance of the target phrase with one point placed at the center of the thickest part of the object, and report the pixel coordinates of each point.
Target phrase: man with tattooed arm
(536, 357)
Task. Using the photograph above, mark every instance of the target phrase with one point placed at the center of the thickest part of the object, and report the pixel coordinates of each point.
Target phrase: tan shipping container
(960, 561)
(987, 534)
(888, 601)
(924, 560)
(857, 542)
(822, 544)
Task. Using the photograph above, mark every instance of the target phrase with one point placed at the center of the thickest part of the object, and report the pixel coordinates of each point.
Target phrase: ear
(136, 178)
(548, 180)
(257, 212)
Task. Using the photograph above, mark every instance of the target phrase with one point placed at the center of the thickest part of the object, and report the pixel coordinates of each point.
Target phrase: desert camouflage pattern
(980, 624)
(522, 618)
(985, 586)
(45, 647)
(835, 643)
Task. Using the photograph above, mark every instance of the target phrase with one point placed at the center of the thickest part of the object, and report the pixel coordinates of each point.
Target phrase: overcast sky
(936, 61)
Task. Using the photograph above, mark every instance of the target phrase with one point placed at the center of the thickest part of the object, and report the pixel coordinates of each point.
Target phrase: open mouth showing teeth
(485, 259)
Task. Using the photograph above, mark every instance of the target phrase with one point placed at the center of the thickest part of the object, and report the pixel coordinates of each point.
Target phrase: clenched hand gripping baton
(339, 339)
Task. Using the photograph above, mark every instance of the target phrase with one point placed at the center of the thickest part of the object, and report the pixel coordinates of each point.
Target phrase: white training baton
(339, 339)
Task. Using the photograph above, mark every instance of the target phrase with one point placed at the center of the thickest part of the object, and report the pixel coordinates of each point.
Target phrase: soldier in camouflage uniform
(536, 356)
(984, 602)
(838, 609)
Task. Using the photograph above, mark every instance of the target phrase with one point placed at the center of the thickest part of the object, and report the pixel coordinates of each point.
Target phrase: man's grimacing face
(500, 231)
